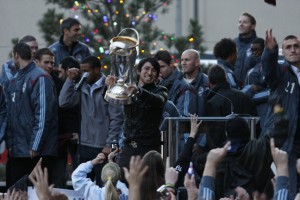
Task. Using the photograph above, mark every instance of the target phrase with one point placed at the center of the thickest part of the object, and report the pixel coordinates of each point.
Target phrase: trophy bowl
(123, 52)
(122, 45)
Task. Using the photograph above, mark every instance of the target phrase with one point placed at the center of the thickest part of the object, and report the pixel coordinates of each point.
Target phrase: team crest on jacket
(24, 87)
(200, 91)
(78, 58)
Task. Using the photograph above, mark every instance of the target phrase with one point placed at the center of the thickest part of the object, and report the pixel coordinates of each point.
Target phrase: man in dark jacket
(9, 70)
(226, 53)
(256, 86)
(247, 34)
(32, 116)
(190, 63)
(142, 117)
(180, 91)
(68, 44)
(283, 80)
(223, 101)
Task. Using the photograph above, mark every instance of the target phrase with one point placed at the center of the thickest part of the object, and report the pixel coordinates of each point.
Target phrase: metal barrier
(170, 147)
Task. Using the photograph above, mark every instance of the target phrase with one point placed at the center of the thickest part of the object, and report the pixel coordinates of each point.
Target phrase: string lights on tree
(103, 19)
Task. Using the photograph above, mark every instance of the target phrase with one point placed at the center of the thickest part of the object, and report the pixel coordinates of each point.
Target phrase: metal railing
(171, 143)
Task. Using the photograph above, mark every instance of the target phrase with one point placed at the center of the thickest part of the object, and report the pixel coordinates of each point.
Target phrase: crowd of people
(52, 105)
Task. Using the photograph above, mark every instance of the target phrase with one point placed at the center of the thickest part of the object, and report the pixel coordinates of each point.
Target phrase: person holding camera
(113, 188)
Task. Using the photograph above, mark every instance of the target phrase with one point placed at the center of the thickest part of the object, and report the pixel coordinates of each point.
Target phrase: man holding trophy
(143, 101)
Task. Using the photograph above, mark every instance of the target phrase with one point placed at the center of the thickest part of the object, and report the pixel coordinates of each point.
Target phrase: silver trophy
(123, 53)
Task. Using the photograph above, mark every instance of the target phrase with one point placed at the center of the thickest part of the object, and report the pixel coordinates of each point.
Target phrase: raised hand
(39, 179)
(110, 81)
(171, 174)
(270, 41)
(99, 159)
(194, 125)
(190, 185)
(136, 172)
(215, 156)
(280, 158)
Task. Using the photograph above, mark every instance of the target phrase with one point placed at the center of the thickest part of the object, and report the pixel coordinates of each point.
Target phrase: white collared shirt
(297, 72)
(95, 85)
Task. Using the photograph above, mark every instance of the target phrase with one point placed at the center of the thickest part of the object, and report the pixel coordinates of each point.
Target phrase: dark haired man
(65, 64)
(226, 53)
(32, 117)
(68, 44)
(142, 117)
(180, 91)
(45, 60)
(221, 100)
(247, 34)
(284, 81)
(100, 122)
(9, 69)
(256, 86)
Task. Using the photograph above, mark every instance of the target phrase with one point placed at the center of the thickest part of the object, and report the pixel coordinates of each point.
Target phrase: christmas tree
(105, 19)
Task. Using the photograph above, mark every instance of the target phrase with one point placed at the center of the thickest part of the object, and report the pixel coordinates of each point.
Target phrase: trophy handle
(135, 31)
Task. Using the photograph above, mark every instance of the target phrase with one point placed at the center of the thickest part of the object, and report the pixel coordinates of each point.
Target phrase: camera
(164, 192)
(114, 145)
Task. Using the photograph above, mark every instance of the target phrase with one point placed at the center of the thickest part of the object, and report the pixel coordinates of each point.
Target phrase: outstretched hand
(215, 156)
(280, 158)
(136, 172)
(39, 179)
(190, 185)
(99, 159)
(16, 195)
(270, 41)
(171, 174)
(194, 126)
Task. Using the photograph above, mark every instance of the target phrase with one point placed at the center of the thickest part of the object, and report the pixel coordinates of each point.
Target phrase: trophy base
(117, 99)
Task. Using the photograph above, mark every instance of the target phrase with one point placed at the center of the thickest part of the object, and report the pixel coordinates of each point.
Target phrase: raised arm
(207, 187)
(281, 161)
(269, 60)
(68, 96)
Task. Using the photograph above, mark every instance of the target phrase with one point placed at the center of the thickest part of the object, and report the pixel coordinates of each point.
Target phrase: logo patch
(24, 87)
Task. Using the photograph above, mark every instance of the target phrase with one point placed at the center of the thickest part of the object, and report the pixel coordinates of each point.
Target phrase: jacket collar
(219, 87)
(61, 41)
(168, 82)
(27, 68)
(100, 83)
(149, 87)
(248, 39)
(226, 64)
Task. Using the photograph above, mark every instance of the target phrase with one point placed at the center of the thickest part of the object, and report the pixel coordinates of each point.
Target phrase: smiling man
(68, 44)
(142, 117)
(247, 34)
(190, 63)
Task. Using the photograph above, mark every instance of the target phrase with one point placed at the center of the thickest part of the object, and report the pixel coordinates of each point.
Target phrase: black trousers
(19, 167)
(128, 151)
